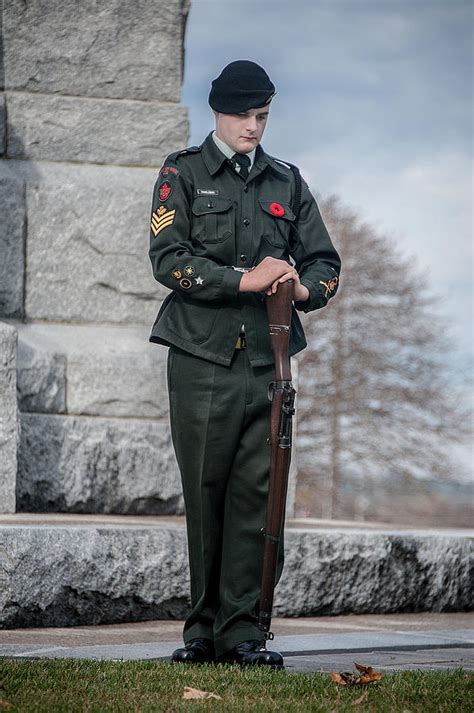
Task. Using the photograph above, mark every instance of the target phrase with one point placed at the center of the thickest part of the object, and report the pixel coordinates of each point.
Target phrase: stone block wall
(89, 108)
(9, 422)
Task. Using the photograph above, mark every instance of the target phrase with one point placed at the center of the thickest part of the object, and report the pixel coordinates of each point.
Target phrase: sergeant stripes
(162, 219)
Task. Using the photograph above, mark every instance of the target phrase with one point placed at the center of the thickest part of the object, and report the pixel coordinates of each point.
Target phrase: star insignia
(199, 280)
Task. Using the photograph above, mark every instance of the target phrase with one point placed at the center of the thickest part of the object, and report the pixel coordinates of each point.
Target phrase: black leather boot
(196, 651)
(252, 653)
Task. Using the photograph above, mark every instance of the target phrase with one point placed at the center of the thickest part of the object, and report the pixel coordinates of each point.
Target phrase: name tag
(206, 192)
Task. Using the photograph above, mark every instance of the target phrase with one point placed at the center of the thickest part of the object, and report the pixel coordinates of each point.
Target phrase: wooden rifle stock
(282, 396)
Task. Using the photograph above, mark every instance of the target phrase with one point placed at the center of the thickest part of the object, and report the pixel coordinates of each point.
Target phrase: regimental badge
(185, 284)
(330, 285)
(162, 219)
(189, 270)
(166, 170)
(177, 274)
(165, 190)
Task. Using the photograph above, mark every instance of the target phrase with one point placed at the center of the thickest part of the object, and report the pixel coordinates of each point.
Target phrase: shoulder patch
(165, 190)
(169, 168)
(169, 171)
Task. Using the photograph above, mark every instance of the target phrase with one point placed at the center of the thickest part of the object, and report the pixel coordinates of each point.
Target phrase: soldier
(229, 223)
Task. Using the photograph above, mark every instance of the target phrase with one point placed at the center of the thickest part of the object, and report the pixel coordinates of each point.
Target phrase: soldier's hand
(267, 273)
(301, 292)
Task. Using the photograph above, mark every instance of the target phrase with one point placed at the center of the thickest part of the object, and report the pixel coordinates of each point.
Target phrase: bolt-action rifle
(282, 395)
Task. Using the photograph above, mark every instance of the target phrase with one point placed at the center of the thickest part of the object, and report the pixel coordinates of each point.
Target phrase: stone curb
(98, 574)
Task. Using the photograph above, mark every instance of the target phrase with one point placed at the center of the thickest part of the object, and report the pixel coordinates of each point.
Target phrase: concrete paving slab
(290, 646)
(360, 641)
(387, 642)
(434, 621)
(384, 661)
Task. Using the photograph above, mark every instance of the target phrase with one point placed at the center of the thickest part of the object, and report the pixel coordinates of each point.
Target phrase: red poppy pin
(165, 190)
(277, 209)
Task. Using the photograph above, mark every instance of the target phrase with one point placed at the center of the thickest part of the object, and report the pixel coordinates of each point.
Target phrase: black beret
(240, 86)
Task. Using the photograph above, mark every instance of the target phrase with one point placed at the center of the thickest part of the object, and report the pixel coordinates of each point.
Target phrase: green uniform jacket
(206, 221)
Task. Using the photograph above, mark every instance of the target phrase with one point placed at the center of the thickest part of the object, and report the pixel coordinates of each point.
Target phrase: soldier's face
(242, 132)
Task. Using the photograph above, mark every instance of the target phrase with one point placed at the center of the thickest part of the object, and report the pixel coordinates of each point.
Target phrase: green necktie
(244, 163)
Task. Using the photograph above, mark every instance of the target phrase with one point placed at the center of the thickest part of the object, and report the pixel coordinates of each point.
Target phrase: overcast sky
(374, 103)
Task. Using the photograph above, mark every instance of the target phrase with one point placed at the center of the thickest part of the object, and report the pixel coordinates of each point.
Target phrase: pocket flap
(281, 211)
(211, 204)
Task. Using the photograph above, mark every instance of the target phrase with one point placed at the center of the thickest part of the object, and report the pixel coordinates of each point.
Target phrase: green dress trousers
(220, 425)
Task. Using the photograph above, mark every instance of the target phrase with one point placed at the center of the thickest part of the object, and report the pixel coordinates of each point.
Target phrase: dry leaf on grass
(196, 693)
(347, 678)
(367, 673)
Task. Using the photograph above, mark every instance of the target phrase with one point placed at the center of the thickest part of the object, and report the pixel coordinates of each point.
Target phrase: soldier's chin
(247, 144)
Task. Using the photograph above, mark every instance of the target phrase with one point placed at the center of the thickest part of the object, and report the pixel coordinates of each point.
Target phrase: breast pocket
(213, 219)
(276, 219)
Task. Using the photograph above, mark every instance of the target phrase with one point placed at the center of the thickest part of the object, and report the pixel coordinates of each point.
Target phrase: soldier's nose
(252, 123)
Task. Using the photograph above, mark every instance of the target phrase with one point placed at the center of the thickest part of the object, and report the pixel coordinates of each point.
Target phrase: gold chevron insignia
(161, 219)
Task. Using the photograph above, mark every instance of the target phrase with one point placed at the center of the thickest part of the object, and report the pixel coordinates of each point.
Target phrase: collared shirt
(229, 153)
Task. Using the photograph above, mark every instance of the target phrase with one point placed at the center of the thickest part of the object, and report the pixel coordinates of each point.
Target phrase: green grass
(67, 686)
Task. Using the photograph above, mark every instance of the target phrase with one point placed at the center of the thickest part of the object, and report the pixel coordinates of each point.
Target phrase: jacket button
(246, 221)
(243, 258)
(246, 188)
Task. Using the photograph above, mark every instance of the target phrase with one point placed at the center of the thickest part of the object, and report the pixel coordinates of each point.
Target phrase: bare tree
(378, 401)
